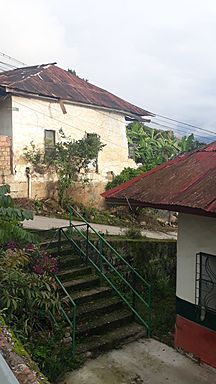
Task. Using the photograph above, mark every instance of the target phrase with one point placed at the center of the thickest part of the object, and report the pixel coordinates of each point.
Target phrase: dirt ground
(142, 362)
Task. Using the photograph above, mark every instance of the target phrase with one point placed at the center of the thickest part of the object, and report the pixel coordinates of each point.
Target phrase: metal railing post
(150, 311)
(59, 241)
(74, 331)
(101, 253)
(134, 295)
(87, 243)
(70, 217)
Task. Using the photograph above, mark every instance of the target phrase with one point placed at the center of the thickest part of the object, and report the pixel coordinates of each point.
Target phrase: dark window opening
(206, 281)
(49, 141)
(131, 151)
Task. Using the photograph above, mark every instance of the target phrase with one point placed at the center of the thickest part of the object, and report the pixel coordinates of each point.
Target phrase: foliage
(73, 72)
(151, 148)
(133, 233)
(44, 264)
(52, 355)
(125, 175)
(28, 296)
(35, 156)
(69, 158)
(11, 219)
(156, 262)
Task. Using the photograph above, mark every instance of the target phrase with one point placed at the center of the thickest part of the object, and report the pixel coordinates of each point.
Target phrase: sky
(158, 54)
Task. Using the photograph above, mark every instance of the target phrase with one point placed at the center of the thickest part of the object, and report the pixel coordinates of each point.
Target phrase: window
(206, 281)
(131, 151)
(49, 141)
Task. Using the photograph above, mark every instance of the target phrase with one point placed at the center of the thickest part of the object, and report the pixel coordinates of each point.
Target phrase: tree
(69, 158)
(11, 219)
(151, 148)
(73, 72)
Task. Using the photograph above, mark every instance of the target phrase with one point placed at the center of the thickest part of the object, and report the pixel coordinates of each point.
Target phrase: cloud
(159, 55)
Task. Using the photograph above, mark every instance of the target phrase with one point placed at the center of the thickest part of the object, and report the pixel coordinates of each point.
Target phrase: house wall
(5, 158)
(32, 116)
(195, 234)
(6, 117)
(195, 328)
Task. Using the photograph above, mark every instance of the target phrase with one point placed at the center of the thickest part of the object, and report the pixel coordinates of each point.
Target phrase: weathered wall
(30, 118)
(5, 158)
(195, 234)
(6, 117)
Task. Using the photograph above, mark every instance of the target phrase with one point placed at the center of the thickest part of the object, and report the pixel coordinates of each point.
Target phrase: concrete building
(36, 102)
(186, 184)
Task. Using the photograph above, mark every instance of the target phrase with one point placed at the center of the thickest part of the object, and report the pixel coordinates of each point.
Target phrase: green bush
(125, 175)
(11, 219)
(28, 297)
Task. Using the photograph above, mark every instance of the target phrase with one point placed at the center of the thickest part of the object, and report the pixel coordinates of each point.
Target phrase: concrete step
(112, 339)
(85, 296)
(100, 306)
(75, 273)
(53, 244)
(104, 323)
(89, 281)
(69, 261)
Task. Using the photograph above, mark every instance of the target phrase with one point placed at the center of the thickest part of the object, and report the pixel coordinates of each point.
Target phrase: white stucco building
(186, 184)
(36, 102)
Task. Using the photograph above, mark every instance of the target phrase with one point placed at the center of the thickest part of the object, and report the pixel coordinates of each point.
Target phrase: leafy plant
(151, 148)
(11, 219)
(69, 158)
(125, 175)
(29, 297)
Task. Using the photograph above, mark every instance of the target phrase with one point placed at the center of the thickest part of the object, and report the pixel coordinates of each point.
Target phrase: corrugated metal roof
(185, 184)
(52, 81)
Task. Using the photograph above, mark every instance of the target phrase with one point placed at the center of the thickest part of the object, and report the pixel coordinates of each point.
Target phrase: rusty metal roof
(184, 184)
(51, 81)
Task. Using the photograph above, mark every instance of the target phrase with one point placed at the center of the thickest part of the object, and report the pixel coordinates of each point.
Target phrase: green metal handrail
(103, 258)
(71, 301)
(71, 323)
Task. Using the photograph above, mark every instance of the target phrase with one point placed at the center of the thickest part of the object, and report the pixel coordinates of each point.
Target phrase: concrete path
(142, 362)
(43, 223)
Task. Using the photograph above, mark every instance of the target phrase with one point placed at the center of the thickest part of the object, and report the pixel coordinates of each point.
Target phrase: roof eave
(17, 92)
(167, 207)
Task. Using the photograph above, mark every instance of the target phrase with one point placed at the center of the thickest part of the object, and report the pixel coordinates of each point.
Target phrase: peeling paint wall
(30, 118)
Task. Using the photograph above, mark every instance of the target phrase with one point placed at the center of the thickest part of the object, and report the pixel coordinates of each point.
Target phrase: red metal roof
(185, 184)
(52, 81)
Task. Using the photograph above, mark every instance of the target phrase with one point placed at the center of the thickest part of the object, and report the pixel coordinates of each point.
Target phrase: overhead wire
(175, 129)
(73, 126)
(11, 58)
(183, 123)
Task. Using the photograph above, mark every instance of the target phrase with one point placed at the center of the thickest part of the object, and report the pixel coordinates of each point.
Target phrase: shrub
(28, 296)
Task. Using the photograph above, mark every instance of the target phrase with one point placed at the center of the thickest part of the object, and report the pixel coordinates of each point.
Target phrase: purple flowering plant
(45, 264)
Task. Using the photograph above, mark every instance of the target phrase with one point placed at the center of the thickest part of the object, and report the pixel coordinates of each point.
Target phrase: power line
(183, 123)
(69, 125)
(11, 58)
(175, 129)
(182, 131)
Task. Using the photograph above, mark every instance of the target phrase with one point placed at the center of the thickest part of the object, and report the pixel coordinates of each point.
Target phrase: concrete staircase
(103, 321)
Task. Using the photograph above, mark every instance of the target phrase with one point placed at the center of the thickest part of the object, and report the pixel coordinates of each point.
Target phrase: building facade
(38, 102)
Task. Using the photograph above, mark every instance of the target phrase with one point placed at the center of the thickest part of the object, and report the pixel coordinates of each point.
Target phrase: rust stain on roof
(51, 81)
(185, 184)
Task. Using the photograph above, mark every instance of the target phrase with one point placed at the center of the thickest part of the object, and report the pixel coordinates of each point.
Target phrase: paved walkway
(142, 362)
(43, 223)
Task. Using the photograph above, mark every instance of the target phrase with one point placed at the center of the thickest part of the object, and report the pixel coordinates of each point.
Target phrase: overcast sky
(157, 54)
